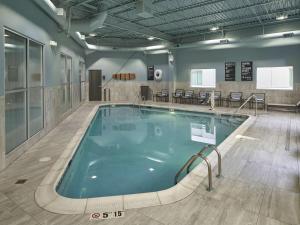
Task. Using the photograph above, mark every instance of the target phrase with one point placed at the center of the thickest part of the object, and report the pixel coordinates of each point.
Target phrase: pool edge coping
(47, 197)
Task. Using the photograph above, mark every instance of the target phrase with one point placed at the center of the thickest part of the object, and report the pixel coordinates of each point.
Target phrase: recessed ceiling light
(155, 47)
(6, 35)
(150, 38)
(281, 17)
(214, 28)
(93, 34)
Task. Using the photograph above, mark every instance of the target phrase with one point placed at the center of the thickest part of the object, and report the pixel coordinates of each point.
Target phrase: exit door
(95, 82)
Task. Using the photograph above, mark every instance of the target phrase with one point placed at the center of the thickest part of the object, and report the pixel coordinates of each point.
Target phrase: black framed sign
(247, 71)
(229, 71)
(150, 72)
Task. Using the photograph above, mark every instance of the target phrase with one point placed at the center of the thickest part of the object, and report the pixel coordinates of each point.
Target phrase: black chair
(188, 96)
(260, 99)
(163, 95)
(177, 95)
(202, 97)
(217, 97)
(235, 97)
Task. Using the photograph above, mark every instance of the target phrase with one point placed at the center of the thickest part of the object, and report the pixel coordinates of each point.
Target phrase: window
(203, 78)
(280, 78)
(23, 89)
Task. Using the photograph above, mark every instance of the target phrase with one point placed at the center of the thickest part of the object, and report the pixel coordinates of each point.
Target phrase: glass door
(35, 88)
(15, 90)
(24, 97)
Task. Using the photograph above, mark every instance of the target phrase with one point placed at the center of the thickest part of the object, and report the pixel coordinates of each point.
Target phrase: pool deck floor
(260, 183)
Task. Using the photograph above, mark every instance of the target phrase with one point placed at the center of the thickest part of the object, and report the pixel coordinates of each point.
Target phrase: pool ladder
(201, 155)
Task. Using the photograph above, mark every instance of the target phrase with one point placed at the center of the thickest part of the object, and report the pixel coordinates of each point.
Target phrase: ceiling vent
(144, 9)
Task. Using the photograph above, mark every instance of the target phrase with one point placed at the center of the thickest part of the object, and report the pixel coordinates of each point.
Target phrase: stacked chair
(162, 96)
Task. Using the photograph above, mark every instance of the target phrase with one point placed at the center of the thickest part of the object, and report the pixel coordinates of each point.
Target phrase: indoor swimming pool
(130, 149)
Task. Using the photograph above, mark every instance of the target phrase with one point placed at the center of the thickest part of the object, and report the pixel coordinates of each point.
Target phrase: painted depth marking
(107, 215)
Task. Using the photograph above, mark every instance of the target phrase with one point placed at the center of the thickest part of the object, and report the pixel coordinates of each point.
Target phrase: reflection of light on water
(172, 111)
(94, 177)
(151, 169)
(92, 162)
(83, 191)
(155, 160)
(203, 133)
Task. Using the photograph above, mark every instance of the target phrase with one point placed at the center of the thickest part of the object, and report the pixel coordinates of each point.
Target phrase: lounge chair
(260, 98)
(202, 97)
(163, 95)
(188, 96)
(177, 95)
(217, 96)
(235, 97)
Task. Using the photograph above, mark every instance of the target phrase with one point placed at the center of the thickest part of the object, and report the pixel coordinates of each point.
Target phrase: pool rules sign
(247, 71)
(107, 215)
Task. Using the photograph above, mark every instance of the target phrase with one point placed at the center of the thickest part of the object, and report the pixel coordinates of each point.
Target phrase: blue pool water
(129, 150)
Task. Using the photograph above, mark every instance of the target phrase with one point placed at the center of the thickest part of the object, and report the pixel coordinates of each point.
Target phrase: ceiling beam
(89, 6)
(135, 28)
(184, 8)
(217, 12)
(235, 27)
(231, 19)
(127, 4)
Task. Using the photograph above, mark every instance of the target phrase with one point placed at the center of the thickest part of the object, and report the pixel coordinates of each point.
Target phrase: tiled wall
(54, 107)
(53, 112)
(129, 90)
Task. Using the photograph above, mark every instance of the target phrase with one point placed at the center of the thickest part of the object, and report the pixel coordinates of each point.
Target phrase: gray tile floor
(260, 183)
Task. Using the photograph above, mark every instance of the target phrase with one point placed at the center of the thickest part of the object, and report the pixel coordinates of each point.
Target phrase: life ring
(158, 74)
(157, 131)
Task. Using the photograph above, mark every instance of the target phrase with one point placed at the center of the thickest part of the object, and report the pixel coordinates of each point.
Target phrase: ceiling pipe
(224, 42)
(135, 49)
(227, 42)
(88, 26)
(85, 26)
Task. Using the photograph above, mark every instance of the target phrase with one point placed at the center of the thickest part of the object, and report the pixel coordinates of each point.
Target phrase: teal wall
(27, 19)
(187, 59)
(118, 62)
(127, 62)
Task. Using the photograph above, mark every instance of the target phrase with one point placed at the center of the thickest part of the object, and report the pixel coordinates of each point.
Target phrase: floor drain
(45, 159)
(21, 181)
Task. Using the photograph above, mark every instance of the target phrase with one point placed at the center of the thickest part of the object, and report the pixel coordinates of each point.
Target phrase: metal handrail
(214, 148)
(193, 158)
(248, 99)
(139, 99)
(105, 90)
